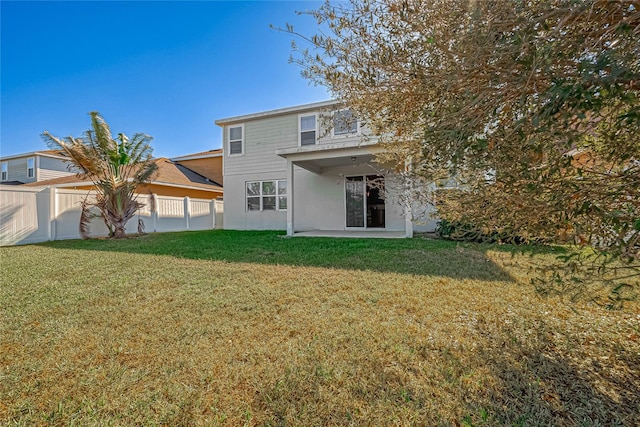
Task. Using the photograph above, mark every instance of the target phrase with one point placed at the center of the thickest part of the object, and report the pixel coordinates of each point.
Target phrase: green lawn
(252, 328)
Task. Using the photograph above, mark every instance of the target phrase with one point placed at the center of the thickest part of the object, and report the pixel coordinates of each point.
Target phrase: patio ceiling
(318, 158)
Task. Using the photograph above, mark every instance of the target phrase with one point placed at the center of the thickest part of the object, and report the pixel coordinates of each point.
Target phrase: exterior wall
(208, 167)
(257, 163)
(50, 168)
(236, 216)
(44, 168)
(261, 139)
(325, 135)
(319, 198)
(319, 201)
(17, 170)
(177, 192)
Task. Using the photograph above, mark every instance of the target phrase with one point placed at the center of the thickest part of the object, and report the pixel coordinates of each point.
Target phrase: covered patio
(324, 160)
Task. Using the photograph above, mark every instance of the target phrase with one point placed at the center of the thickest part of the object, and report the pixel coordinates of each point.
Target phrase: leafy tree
(116, 166)
(534, 107)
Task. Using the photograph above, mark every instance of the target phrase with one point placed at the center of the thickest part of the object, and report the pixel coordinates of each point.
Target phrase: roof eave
(204, 156)
(277, 112)
(32, 154)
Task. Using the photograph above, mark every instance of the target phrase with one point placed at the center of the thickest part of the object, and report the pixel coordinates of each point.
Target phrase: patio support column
(408, 202)
(290, 193)
(408, 224)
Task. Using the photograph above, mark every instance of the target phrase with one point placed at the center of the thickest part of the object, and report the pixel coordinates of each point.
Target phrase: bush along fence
(32, 215)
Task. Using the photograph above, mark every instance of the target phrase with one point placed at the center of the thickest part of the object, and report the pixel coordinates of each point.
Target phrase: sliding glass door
(354, 188)
(365, 205)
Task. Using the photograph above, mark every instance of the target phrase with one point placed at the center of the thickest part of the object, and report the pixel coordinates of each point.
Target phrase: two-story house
(308, 168)
(32, 167)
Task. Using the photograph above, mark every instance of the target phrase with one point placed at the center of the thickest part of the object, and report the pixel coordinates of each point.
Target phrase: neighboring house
(171, 179)
(308, 168)
(206, 163)
(32, 167)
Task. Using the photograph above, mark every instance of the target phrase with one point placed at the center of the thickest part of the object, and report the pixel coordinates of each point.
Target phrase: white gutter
(277, 112)
(33, 154)
(202, 156)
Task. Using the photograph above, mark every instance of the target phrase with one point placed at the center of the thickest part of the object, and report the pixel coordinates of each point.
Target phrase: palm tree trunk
(119, 232)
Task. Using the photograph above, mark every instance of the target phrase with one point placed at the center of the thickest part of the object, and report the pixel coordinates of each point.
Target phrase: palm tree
(115, 166)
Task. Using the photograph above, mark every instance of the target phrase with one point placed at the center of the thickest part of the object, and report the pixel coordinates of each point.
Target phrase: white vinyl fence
(31, 215)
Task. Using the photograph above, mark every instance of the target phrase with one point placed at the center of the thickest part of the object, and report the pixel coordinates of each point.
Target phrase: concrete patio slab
(364, 234)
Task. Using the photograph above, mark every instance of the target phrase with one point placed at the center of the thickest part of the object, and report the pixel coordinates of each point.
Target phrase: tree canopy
(533, 106)
(116, 166)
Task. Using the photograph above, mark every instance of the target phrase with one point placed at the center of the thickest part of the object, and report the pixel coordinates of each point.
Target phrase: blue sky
(168, 69)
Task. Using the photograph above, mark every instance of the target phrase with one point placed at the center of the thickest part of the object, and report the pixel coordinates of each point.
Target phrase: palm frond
(146, 172)
(79, 155)
(115, 166)
(102, 132)
(140, 148)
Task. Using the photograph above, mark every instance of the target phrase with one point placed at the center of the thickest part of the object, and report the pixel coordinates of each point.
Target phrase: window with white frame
(344, 123)
(308, 129)
(5, 171)
(31, 169)
(267, 195)
(236, 140)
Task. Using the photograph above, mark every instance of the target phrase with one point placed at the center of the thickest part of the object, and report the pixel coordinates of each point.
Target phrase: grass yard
(250, 328)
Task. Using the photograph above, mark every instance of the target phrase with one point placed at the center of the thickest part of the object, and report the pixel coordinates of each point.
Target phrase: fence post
(187, 212)
(212, 209)
(53, 213)
(154, 211)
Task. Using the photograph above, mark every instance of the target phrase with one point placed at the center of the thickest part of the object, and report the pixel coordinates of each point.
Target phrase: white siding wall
(261, 139)
(50, 168)
(17, 170)
(325, 136)
(236, 217)
(319, 199)
(319, 202)
(45, 168)
(258, 163)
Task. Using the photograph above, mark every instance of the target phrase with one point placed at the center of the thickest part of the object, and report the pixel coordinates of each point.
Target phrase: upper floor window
(236, 140)
(308, 129)
(31, 169)
(344, 123)
(5, 171)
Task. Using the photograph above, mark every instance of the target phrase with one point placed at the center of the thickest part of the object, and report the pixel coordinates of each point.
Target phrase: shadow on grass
(541, 385)
(496, 380)
(406, 256)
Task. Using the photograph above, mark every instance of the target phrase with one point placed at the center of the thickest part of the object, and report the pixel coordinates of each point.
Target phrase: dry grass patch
(90, 335)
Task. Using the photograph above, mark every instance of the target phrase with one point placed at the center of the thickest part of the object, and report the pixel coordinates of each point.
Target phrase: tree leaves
(544, 94)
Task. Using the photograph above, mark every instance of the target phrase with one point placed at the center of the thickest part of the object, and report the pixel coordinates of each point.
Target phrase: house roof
(169, 173)
(200, 155)
(46, 153)
(277, 112)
